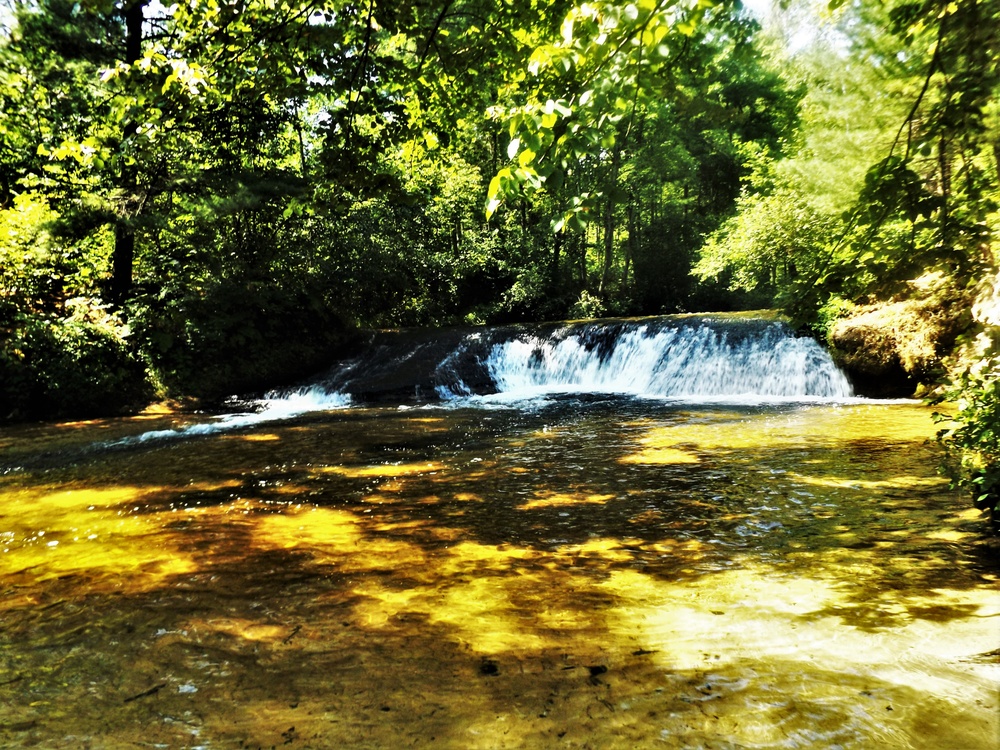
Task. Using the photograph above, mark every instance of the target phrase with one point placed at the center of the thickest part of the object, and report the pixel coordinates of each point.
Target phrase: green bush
(62, 354)
(973, 436)
(56, 368)
(236, 336)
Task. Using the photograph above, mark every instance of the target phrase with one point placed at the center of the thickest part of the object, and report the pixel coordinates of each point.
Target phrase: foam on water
(683, 363)
(275, 406)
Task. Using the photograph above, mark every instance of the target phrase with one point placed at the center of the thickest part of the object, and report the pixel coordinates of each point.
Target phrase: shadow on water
(585, 574)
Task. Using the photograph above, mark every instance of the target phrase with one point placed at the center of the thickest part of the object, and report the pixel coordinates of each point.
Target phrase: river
(596, 569)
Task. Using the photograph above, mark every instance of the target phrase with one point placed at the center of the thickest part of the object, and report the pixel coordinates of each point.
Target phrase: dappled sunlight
(563, 501)
(254, 438)
(352, 580)
(321, 528)
(382, 470)
(777, 428)
(749, 615)
(54, 532)
(891, 483)
(490, 614)
(655, 455)
(699, 625)
(950, 535)
(245, 629)
(469, 558)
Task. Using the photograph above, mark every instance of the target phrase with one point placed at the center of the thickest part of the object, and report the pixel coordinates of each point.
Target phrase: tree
(926, 201)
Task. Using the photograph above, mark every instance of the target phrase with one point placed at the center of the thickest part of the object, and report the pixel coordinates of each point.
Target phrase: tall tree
(124, 252)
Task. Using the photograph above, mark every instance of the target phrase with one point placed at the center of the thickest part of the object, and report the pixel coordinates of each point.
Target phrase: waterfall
(660, 359)
(706, 358)
(678, 357)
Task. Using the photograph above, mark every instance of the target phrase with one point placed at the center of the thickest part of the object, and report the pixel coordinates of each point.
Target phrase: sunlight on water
(63, 532)
(385, 470)
(603, 573)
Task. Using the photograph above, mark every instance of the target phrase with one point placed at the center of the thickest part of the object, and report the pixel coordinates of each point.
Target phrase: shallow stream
(598, 572)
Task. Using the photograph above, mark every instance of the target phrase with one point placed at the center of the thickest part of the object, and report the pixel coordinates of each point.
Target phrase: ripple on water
(611, 573)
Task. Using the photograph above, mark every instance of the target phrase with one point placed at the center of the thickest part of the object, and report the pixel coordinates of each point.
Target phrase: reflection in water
(605, 573)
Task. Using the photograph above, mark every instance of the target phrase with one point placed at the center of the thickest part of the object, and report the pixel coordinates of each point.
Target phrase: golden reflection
(564, 500)
(739, 430)
(749, 602)
(950, 535)
(750, 612)
(264, 437)
(383, 470)
(108, 532)
(467, 557)
(322, 527)
(482, 612)
(606, 549)
(658, 455)
(246, 629)
(854, 483)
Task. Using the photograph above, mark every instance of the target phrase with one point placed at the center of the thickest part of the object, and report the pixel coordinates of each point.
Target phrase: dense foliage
(229, 186)
(879, 230)
(207, 197)
(973, 436)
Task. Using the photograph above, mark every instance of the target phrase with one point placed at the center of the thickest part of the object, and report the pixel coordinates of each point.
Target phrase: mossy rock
(895, 348)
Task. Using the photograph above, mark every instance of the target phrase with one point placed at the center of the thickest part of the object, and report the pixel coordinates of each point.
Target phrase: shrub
(237, 336)
(68, 368)
(973, 435)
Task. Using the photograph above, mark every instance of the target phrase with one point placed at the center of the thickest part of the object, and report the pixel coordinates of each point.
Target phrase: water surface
(588, 572)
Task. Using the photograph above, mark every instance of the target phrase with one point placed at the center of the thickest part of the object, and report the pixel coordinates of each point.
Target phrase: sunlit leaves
(972, 434)
(608, 60)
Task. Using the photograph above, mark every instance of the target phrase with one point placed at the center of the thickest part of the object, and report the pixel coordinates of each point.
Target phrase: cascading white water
(674, 362)
(275, 406)
(713, 358)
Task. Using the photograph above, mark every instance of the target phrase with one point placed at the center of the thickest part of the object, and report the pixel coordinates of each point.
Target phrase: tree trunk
(633, 238)
(557, 243)
(123, 257)
(609, 220)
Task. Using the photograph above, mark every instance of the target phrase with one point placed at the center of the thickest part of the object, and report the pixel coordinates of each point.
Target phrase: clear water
(590, 571)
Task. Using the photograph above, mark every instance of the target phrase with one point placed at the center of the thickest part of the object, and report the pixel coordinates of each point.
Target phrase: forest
(211, 197)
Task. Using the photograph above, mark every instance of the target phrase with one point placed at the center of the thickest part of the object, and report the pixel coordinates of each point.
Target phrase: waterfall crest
(703, 357)
(683, 362)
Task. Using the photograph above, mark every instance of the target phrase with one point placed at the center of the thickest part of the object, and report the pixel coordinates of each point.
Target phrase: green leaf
(494, 188)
